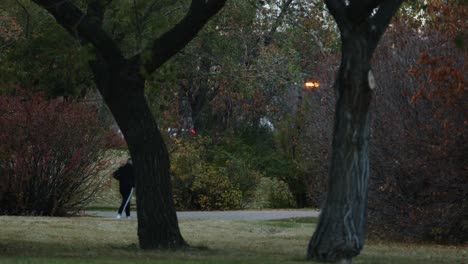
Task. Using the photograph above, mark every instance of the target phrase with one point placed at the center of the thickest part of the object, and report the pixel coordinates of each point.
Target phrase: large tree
(341, 229)
(121, 82)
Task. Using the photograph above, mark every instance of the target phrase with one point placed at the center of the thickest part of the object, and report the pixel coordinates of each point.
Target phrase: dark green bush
(199, 185)
(272, 193)
(214, 191)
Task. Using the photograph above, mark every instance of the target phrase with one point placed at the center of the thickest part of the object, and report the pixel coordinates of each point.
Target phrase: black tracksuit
(124, 175)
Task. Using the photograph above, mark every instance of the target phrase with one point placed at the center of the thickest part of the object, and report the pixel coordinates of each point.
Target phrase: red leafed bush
(50, 155)
(114, 140)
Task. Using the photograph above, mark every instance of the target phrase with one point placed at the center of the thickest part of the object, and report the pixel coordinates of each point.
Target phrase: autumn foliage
(50, 155)
(419, 182)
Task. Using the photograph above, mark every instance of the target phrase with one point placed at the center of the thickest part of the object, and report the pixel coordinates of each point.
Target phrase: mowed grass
(92, 240)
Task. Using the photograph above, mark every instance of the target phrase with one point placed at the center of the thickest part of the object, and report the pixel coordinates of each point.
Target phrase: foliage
(293, 162)
(58, 70)
(303, 137)
(50, 155)
(10, 30)
(419, 185)
(215, 191)
(236, 159)
(272, 193)
(198, 184)
(246, 164)
(231, 84)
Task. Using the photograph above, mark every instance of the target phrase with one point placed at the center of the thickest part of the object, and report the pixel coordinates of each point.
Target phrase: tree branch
(359, 10)
(88, 27)
(312, 33)
(337, 9)
(278, 22)
(171, 42)
(380, 21)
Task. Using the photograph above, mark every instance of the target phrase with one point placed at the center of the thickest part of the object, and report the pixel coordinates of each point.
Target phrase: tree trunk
(157, 219)
(121, 85)
(341, 230)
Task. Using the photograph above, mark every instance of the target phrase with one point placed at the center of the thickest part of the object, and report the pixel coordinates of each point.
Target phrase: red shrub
(50, 154)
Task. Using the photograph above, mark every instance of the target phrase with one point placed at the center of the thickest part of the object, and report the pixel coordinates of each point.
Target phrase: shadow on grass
(14, 251)
(25, 252)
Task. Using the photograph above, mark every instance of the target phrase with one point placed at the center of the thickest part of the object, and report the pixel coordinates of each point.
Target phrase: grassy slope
(96, 240)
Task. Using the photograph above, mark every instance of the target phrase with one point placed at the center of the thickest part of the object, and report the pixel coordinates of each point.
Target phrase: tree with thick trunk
(341, 229)
(121, 83)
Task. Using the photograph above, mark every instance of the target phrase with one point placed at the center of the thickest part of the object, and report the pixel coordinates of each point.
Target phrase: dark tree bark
(121, 84)
(341, 230)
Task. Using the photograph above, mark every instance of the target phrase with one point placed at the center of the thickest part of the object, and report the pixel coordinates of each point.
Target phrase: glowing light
(312, 85)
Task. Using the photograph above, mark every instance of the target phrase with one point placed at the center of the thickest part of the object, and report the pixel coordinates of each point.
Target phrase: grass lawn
(91, 240)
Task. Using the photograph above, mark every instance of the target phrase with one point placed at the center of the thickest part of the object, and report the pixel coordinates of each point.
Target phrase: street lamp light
(312, 85)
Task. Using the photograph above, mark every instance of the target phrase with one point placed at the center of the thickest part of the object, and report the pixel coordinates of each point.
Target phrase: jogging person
(124, 175)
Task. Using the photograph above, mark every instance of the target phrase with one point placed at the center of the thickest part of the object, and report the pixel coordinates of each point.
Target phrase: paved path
(230, 215)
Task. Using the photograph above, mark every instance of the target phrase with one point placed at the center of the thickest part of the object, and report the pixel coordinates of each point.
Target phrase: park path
(247, 215)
